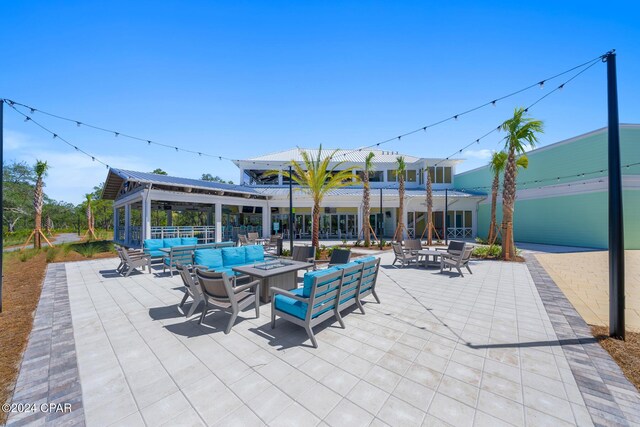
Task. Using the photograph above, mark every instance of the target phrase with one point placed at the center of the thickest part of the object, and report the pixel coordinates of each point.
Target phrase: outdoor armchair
(192, 289)
(253, 237)
(405, 258)
(220, 290)
(457, 261)
(304, 254)
(132, 260)
(339, 256)
(455, 247)
(312, 304)
(412, 246)
(177, 254)
(244, 241)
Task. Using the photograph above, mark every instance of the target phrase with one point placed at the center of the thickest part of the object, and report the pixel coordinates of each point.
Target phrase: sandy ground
(584, 279)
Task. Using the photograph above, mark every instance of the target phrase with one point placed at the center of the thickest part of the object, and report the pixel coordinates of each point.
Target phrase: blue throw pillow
(254, 253)
(189, 241)
(364, 259)
(169, 243)
(153, 244)
(211, 258)
(233, 256)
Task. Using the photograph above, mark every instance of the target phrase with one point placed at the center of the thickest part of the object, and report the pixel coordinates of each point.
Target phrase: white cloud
(483, 154)
(15, 140)
(71, 175)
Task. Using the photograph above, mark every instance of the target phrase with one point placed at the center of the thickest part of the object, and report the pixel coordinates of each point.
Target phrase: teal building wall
(579, 219)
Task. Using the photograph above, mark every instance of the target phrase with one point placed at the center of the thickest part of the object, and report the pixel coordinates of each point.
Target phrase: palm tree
(429, 208)
(317, 178)
(401, 170)
(366, 199)
(38, 200)
(521, 131)
(497, 164)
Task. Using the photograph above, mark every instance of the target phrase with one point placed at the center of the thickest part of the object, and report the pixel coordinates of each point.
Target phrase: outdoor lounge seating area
(433, 350)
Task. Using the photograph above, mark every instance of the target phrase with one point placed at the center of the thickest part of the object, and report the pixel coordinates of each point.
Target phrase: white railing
(462, 232)
(204, 233)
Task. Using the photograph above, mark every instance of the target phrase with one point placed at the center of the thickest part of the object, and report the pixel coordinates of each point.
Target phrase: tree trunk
(366, 224)
(37, 206)
(429, 210)
(494, 200)
(399, 232)
(508, 202)
(316, 225)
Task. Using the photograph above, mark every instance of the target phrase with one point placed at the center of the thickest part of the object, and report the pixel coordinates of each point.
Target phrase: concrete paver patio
(438, 348)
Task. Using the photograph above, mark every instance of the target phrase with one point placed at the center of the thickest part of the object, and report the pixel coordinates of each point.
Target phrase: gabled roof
(117, 177)
(349, 155)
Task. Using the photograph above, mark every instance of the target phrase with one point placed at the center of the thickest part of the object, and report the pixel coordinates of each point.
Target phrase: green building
(562, 196)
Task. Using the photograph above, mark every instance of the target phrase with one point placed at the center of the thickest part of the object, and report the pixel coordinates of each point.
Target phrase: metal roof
(357, 191)
(116, 177)
(350, 155)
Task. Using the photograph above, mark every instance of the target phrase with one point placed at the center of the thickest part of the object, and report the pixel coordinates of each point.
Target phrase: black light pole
(290, 212)
(382, 224)
(616, 227)
(446, 215)
(1, 194)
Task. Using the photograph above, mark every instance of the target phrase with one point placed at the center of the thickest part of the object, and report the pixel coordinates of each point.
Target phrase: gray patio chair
(244, 241)
(457, 261)
(133, 252)
(219, 290)
(454, 248)
(134, 260)
(192, 289)
(272, 244)
(304, 254)
(412, 246)
(405, 258)
(252, 237)
(339, 256)
(320, 305)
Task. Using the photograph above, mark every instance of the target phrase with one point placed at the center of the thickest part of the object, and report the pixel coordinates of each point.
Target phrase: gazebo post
(127, 224)
(218, 218)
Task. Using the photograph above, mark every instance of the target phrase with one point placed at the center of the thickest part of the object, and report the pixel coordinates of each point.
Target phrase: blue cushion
(189, 241)
(290, 306)
(254, 253)
(365, 259)
(169, 243)
(153, 244)
(308, 279)
(227, 270)
(211, 258)
(154, 253)
(233, 256)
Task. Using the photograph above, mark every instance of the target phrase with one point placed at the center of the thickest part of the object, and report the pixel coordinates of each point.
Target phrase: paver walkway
(437, 349)
(584, 279)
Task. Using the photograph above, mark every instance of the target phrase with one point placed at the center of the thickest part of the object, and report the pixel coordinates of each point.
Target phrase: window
(376, 176)
(411, 175)
(392, 175)
(440, 174)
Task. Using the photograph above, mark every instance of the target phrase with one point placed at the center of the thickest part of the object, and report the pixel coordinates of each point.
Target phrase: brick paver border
(49, 369)
(610, 398)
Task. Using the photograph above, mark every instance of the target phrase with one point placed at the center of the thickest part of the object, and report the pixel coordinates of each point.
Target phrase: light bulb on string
(116, 134)
(541, 84)
(78, 124)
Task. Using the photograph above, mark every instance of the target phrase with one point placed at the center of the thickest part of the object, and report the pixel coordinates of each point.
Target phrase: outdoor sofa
(224, 259)
(327, 292)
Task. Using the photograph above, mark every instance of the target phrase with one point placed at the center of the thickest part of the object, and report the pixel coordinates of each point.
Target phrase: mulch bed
(625, 353)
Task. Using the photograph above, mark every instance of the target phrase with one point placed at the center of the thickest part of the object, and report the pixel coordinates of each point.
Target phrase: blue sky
(243, 78)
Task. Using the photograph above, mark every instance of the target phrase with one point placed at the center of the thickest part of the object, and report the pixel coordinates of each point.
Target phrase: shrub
(358, 243)
(52, 253)
(286, 252)
(89, 249)
(493, 251)
(344, 242)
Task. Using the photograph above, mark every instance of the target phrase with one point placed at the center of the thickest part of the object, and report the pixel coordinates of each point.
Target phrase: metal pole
(1, 195)
(616, 226)
(290, 211)
(446, 215)
(382, 222)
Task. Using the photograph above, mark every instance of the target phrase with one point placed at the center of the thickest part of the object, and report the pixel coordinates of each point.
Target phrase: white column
(266, 222)
(116, 223)
(127, 224)
(146, 216)
(360, 223)
(218, 215)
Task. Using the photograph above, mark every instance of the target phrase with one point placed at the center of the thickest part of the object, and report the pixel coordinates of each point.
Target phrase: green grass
(89, 249)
